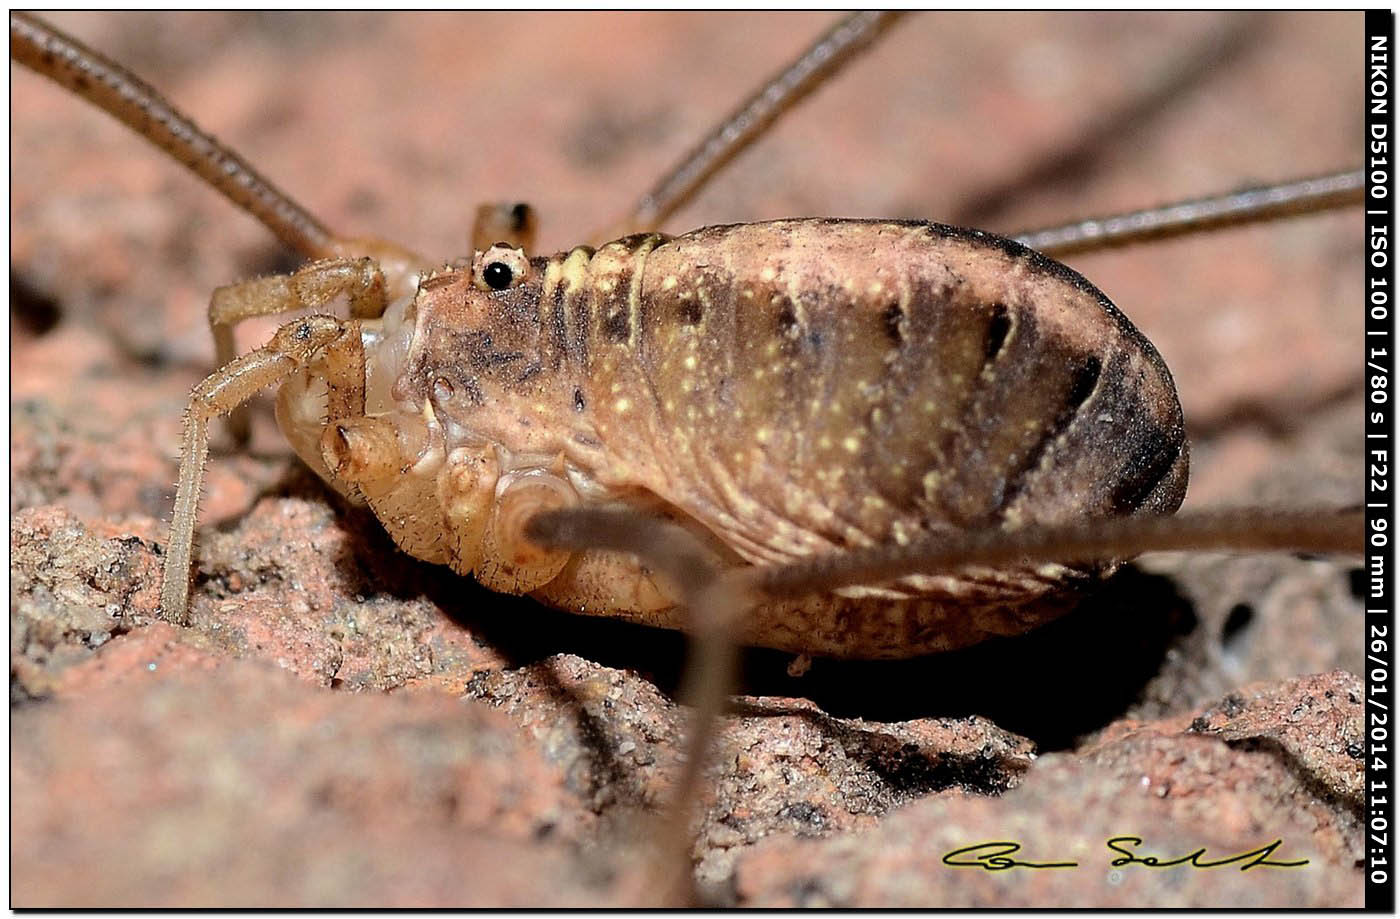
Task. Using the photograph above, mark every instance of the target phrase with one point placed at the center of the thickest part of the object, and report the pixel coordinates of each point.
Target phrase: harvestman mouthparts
(526, 419)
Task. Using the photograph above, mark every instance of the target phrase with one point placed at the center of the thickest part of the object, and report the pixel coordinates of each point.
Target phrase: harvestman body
(853, 438)
(776, 392)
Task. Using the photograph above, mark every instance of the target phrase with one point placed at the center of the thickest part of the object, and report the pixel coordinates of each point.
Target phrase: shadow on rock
(1067, 678)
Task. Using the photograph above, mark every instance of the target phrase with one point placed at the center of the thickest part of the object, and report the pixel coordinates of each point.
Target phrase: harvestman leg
(293, 347)
(821, 61)
(715, 597)
(714, 602)
(836, 48)
(1253, 205)
(132, 101)
(126, 97)
(361, 280)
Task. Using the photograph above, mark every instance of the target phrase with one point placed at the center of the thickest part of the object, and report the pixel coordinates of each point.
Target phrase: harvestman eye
(497, 275)
(500, 267)
(1061, 407)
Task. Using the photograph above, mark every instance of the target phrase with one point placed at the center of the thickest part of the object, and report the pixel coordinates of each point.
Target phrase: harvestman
(899, 453)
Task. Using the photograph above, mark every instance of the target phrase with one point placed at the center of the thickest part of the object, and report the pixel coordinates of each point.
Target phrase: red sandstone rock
(838, 787)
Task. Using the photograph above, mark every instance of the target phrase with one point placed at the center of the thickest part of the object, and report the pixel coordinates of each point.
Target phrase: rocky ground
(342, 725)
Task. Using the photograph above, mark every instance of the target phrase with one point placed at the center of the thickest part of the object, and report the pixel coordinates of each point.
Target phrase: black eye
(497, 275)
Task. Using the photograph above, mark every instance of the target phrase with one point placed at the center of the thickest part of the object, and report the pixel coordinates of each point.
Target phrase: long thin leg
(716, 597)
(123, 95)
(817, 64)
(1325, 530)
(1164, 85)
(713, 603)
(1253, 205)
(117, 91)
(1317, 530)
(291, 348)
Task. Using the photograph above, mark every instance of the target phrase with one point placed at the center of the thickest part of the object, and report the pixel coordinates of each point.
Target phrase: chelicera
(358, 454)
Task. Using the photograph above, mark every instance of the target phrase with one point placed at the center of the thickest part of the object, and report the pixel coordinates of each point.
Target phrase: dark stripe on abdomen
(1145, 470)
(1083, 383)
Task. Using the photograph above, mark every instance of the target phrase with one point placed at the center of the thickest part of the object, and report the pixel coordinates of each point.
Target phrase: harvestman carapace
(843, 437)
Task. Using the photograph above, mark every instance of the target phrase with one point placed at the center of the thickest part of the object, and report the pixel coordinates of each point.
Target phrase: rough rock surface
(1229, 784)
(323, 734)
(198, 781)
